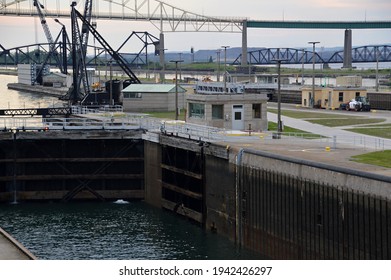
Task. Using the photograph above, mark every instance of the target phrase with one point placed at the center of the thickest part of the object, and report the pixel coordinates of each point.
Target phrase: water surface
(101, 231)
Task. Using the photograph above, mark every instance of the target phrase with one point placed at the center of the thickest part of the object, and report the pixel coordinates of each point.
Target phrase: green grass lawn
(272, 126)
(384, 125)
(331, 120)
(307, 115)
(345, 121)
(167, 115)
(378, 131)
(382, 158)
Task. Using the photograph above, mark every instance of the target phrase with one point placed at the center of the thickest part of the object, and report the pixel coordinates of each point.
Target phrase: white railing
(191, 131)
(364, 142)
(79, 110)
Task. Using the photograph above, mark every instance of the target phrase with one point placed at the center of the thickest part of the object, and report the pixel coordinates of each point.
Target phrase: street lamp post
(111, 83)
(218, 64)
(180, 68)
(302, 68)
(313, 72)
(176, 87)
(377, 70)
(225, 68)
(279, 122)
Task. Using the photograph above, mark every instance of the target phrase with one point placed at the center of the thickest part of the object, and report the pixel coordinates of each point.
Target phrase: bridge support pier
(244, 43)
(347, 49)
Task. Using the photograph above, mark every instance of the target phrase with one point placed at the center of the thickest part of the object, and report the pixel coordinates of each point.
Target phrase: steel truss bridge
(37, 53)
(299, 56)
(168, 18)
(163, 16)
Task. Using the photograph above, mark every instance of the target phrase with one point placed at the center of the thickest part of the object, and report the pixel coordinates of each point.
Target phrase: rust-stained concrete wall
(220, 196)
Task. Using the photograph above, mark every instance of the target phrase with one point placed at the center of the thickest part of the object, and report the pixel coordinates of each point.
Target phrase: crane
(52, 47)
(79, 49)
(79, 52)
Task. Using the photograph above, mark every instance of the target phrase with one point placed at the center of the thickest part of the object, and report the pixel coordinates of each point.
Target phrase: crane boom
(77, 94)
(48, 35)
(85, 30)
(114, 54)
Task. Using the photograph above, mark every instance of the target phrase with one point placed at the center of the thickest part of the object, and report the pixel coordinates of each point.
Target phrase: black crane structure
(48, 53)
(79, 47)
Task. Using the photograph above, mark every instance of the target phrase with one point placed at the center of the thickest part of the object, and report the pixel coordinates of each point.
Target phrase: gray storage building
(152, 97)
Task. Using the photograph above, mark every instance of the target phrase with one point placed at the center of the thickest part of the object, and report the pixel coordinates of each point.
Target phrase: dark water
(102, 231)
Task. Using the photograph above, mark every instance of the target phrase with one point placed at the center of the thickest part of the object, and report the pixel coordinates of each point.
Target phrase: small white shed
(152, 97)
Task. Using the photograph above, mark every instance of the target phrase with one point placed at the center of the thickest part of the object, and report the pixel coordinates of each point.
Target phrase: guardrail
(190, 131)
(364, 142)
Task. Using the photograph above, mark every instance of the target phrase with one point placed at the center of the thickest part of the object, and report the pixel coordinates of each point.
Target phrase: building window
(217, 112)
(257, 111)
(196, 110)
(340, 97)
(357, 94)
(132, 95)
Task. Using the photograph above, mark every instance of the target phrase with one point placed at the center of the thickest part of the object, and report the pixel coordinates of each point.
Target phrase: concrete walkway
(335, 151)
(10, 249)
(339, 134)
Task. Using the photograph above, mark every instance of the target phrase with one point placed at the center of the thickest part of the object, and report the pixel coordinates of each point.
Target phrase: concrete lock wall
(296, 209)
(281, 207)
(220, 196)
(338, 177)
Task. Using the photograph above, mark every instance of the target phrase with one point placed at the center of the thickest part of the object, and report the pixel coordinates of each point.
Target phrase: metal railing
(364, 142)
(79, 110)
(191, 131)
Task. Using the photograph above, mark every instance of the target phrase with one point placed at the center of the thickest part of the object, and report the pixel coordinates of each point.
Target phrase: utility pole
(180, 68)
(111, 83)
(279, 123)
(218, 64)
(313, 73)
(302, 68)
(377, 69)
(225, 68)
(176, 87)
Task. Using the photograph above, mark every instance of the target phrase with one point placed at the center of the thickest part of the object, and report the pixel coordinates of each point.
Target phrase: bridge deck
(320, 24)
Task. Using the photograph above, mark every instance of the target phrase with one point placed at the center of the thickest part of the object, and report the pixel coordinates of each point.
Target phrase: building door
(237, 117)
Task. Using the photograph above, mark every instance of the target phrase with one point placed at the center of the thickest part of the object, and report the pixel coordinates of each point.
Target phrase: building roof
(346, 88)
(56, 74)
(153, 88)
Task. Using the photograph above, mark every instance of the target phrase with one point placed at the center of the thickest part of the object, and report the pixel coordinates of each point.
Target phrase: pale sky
(16, 31)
